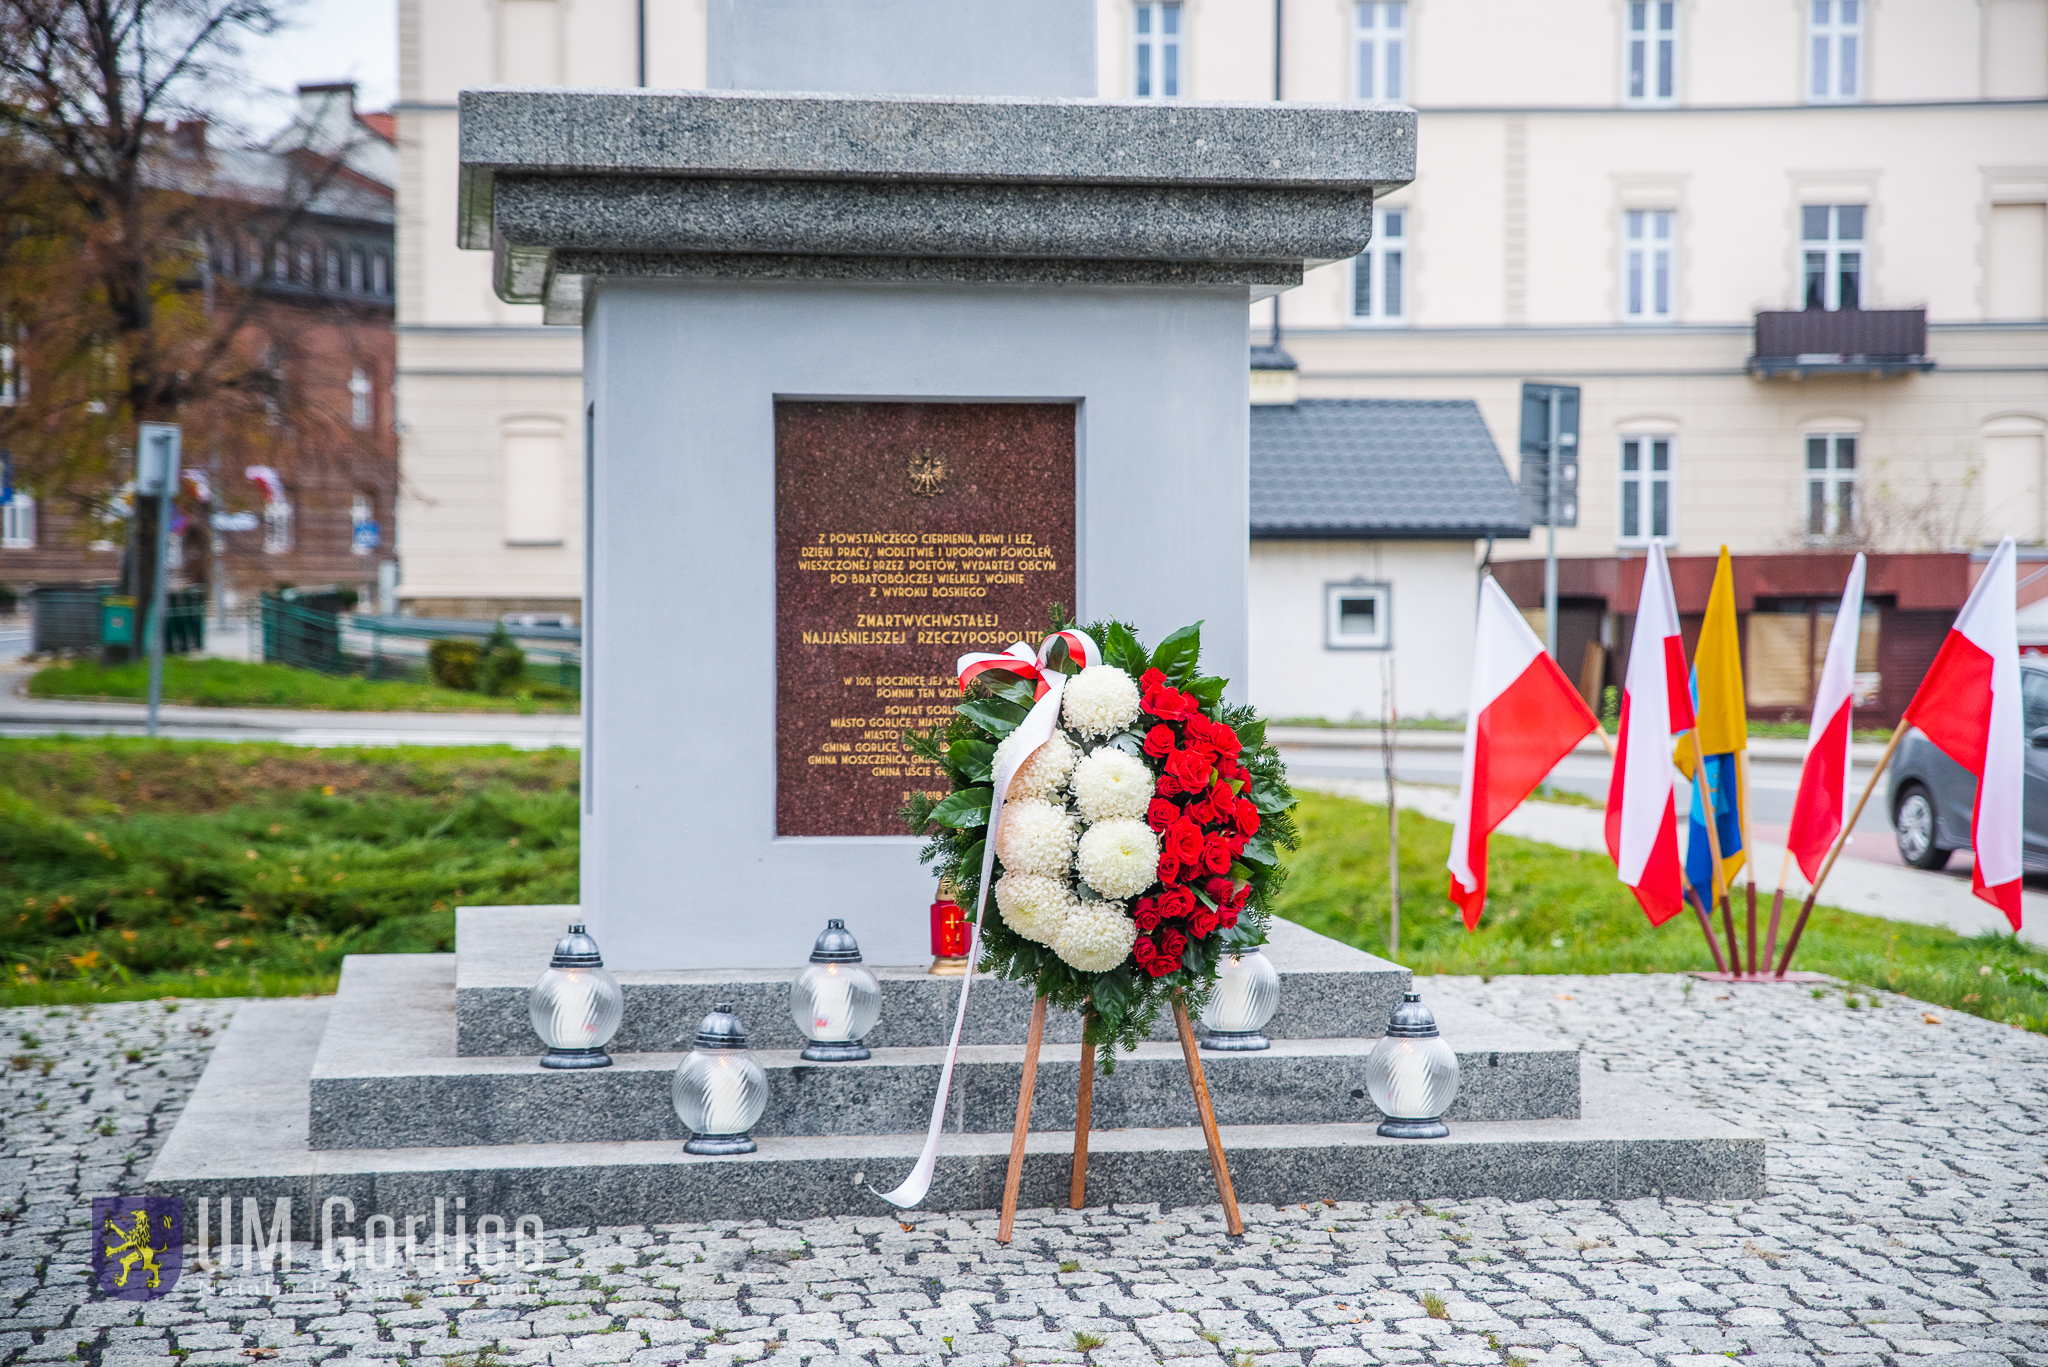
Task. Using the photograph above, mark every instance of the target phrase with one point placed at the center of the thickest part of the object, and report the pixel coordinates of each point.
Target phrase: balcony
(1883, 342)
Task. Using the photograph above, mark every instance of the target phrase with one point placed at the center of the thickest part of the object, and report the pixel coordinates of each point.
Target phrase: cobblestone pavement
(1907, 1223)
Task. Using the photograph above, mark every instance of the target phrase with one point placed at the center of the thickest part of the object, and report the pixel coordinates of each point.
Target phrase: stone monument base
(419, 1081)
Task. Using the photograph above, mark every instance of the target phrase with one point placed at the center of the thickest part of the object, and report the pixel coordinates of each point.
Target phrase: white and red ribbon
(1035, 730)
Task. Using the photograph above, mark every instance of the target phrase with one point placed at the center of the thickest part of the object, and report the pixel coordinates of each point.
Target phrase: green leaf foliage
(1177, 654)
(963, 809)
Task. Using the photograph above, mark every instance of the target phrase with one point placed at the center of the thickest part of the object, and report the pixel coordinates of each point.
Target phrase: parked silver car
(1932, 796)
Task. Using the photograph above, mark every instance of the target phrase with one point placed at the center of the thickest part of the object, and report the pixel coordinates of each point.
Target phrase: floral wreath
(1137, 845)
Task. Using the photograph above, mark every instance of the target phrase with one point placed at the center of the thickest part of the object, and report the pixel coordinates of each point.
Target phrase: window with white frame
(12, 389)
(333, 271)
(1831, 239)
(1645, 501)
(1379, 274)
(1834, 64)
(1355, 616)
(1156, 50)
(1382, 47)
(18, 523)
(358, 398)
(1652, 51)
(380, 274)
(1646, 284)
(1830, 483)
(277, 527)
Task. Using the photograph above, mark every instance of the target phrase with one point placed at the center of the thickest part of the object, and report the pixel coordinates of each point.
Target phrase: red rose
(1201, 813)
(1236, 843)
(1169, 868)
(1203, 921)
(1226, 741)
(1143, 950)
(1161, 966)
(1184, 841)
(1217, 854)
(1229, 918)
(1159, 741)
(1150, 680)
(1191, 767)
(1168, 786)
(1170, 704)
(1223, 797)
(1199, 738)
(1232, 770)
(1176, 901)
(1247, 815)
(1240, 897)
(1171, 943)
(1219, 890)
(1161, 814)
(1148, 915)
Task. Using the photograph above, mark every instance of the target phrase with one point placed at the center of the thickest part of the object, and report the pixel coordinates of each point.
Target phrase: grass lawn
(240, 683)
(138, 868)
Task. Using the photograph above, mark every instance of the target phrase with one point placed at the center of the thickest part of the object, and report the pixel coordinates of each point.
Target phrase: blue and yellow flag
(1723, 722)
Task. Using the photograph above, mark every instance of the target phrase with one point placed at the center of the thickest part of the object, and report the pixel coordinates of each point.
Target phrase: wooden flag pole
(1231, 1219)
(1084, 1108)
(1849, 826)
(1748, 848)
(1777, 906)
(1008, 1223)
(1698, 904)
(1699, 767)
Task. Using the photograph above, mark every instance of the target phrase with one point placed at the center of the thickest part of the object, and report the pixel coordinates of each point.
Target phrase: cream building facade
(1610, 191)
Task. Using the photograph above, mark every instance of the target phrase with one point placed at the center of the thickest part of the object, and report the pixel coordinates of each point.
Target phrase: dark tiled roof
(1379, 468)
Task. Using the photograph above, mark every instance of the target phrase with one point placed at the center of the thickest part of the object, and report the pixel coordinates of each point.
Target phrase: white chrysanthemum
(1042, 774)
(1111, 784)
(1100, 700)
(1096, 937)
(1119, 858)
(1037, 837)
(1035, 906)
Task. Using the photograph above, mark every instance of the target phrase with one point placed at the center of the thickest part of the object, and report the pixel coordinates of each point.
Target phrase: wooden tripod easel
(1077, 1187)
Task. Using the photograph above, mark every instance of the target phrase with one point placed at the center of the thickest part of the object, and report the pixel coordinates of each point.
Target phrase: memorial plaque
(906, 535)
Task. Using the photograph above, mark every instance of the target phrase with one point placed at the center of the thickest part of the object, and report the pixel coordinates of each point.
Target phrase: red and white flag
(1822, 804)
(1969, 705)
(1656, 706)
(1525, 716)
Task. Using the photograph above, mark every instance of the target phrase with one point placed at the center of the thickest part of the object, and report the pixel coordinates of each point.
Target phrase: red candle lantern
(950, 936)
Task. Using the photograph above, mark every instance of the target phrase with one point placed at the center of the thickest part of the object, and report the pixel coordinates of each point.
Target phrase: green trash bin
(117, 620)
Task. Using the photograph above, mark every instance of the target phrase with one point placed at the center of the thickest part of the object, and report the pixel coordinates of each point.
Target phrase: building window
(18, 523)
(1645, 490)
(380, 273)
(333, 271)
(12, 385)
(1355, 617)
(1157, 51)
(1652, 51)
(1831, 236)
(1379, 279)
(1835, 48)
(1382, 46)
(359, 399)
(535, 457)
(1830, 483)
(1646, 265)
(307, 276)
(355, 272)
(364, 534)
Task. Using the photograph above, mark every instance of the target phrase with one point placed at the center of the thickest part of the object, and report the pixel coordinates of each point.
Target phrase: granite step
(387, 1076)
(245, 1134)
(1328, 990)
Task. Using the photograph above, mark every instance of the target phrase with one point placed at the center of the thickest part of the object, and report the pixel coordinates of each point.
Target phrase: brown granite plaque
(906, 535)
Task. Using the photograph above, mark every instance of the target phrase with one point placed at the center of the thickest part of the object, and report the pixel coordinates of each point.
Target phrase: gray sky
(326, 40)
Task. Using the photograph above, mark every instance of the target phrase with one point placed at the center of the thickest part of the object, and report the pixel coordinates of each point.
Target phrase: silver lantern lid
(576, 950)
(835, 945)
(721, 1030)
(1411, 1019)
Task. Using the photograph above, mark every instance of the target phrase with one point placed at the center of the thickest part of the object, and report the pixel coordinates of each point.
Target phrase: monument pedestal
(420, 1080)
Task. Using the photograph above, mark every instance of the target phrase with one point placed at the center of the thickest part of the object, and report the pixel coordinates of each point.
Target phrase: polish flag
(1822, 804)
(1656, 706)
(1525, 716)
(1969, 706)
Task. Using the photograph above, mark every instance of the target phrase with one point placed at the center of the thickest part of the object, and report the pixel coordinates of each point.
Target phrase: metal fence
(396, 647)
(67, 617)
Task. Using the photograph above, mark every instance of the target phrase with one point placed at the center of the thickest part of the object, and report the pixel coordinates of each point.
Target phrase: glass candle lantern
(576, 1006)
(836, 1000)
(1247, 993)
(720, 1091)
(1411, 1074)
(950, 935)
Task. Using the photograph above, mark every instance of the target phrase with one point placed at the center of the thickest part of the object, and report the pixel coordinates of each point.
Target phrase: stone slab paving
(1907, 1223)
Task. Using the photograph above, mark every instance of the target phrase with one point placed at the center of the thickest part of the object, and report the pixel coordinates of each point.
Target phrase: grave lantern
(1246, 995)
(1411, 1074)
(951, 935)
(576, 1005)
(836, 1000)
(720, 1091)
